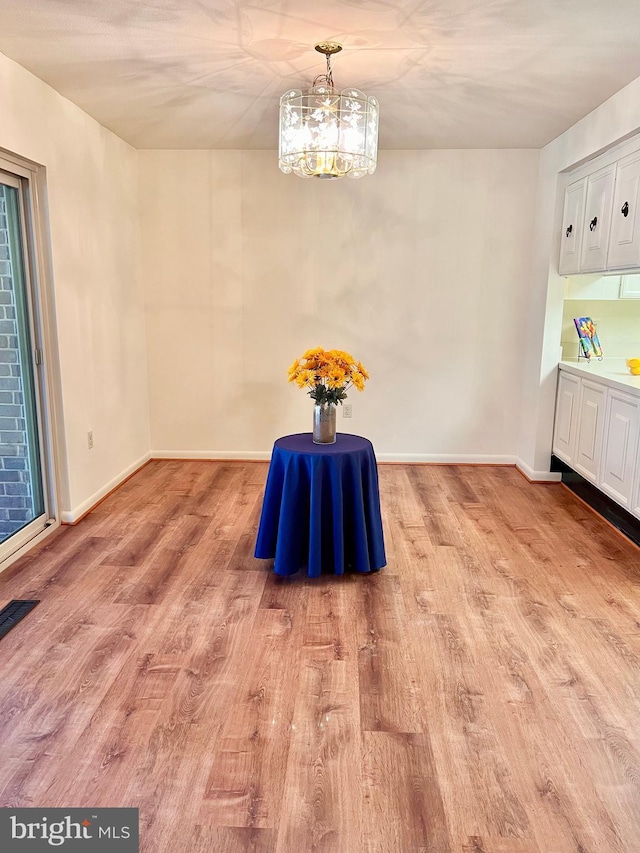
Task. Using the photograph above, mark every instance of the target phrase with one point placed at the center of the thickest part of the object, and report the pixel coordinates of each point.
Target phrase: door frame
(38, 268)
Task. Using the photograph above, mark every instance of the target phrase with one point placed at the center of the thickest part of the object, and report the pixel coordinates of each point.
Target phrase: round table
(321, 509)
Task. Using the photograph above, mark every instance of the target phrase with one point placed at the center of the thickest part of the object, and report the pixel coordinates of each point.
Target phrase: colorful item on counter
(634, 366)
(588, 337)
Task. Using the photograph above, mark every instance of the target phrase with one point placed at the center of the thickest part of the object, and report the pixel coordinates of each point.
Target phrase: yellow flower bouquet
(329, 374)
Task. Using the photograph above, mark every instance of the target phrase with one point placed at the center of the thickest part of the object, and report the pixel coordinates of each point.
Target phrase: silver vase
(324, 423)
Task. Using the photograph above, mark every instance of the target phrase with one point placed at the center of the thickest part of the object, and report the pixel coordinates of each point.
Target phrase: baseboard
(445, 458)
(77, 513)
(214, 455)
(537, 476)
(408, 458)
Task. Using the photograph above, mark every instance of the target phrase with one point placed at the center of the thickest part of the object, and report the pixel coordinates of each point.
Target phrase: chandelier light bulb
(325, 133)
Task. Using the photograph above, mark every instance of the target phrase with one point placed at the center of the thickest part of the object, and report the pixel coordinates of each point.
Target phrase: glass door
(23, 489)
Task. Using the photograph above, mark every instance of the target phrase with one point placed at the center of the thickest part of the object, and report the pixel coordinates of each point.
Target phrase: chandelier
(325, 133)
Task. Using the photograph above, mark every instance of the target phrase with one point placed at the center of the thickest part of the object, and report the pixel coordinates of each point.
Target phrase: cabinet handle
(569, 230)
(593, 224)
(624, 210)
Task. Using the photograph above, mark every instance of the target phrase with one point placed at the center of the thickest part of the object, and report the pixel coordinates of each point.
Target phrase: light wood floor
(480, 695)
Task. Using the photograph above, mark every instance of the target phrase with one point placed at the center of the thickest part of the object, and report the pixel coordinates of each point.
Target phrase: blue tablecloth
(321, 507)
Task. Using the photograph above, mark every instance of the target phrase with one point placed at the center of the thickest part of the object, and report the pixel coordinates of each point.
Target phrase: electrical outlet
(347, 410)
(90, 439)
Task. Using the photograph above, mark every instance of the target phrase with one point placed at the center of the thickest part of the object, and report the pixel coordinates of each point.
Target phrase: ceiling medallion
(325, 133)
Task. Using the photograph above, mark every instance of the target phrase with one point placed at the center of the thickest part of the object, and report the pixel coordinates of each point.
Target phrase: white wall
(93, 210)
(613, 121)
(420, 271)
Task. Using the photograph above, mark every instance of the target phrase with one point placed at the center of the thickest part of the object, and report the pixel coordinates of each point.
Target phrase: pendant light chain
(328, 77)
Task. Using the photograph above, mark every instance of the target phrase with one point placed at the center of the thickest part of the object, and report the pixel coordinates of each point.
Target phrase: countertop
(610, 371)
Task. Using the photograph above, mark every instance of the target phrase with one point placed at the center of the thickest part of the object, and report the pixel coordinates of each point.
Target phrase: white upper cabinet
(593, 286)
(597, 219)
(601, 215)
(629, 286)
(624, 243)
(572, 225)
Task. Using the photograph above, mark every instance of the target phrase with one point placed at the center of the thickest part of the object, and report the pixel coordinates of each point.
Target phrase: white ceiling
(447, 73)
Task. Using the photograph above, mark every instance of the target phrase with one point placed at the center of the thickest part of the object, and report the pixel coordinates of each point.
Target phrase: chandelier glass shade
(328, 134)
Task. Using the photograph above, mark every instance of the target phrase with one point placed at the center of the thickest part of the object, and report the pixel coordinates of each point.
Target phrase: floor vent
(13, 613)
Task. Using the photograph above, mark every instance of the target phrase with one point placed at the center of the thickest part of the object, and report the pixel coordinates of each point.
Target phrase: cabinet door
(590, 429)
(564, 435)
(630, 287)
(572, 226)
(620, 444)
(624, 242)
(597, 220)
(635, 502)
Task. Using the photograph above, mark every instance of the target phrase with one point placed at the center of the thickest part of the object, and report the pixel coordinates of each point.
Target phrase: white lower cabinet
(635, 499)
(597, 433)
(591, 412)
(565, 430)
(617, 473)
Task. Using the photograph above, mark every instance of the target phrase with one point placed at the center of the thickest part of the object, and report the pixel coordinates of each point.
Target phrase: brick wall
(16, 501)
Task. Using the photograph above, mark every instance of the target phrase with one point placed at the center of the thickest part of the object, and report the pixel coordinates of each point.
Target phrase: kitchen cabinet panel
(572, 227)
(620, 445)
(590, 429)
(630, 287)
(635, 501)
(624, 242)
(564, 438)
(597, 219)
